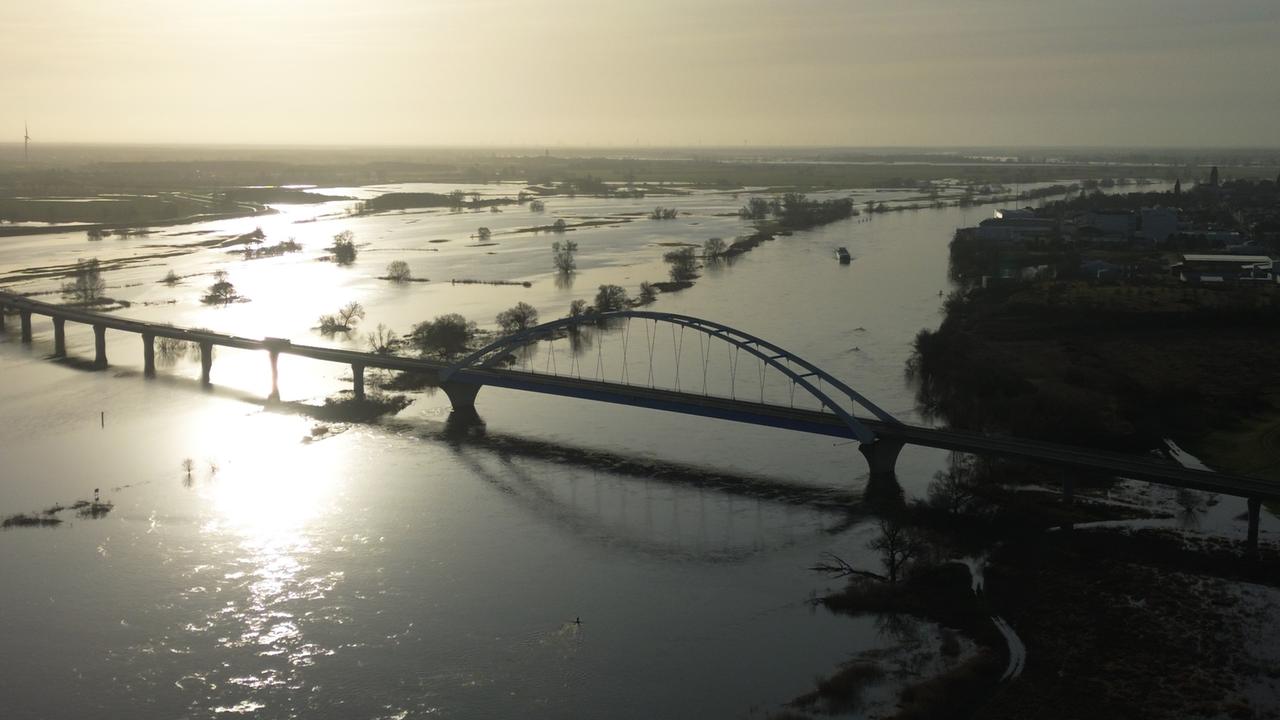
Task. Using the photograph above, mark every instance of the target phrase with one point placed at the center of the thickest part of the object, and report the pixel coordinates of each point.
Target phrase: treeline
(795, 211)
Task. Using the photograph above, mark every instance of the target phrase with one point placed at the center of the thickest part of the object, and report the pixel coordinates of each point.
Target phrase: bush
(714, 248)
(684, 264)
(562, 254)
(521, 317)
(611, 298)
(171, 278)
(537, 206)
(648, 293)
(558, 226)
(398, 271)
(87, 285)
(344, 248)
(483, 235)
(663, 213)
(445, 336)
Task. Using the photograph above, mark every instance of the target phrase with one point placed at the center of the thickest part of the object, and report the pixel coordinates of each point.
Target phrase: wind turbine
(26, 142)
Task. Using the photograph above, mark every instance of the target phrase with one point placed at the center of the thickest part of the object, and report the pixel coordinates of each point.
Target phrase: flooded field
(562, 560)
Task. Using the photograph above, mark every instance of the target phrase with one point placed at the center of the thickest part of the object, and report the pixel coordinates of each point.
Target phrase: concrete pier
(882, 456)
(59, 337)
(461, 395)
(206, 362)
(357, 380)
(148, 355)
(274, 357)
(25, 315)
(1255, 517)
(100, 347)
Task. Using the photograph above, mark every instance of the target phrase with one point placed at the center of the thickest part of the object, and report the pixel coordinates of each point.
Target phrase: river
(557, 562)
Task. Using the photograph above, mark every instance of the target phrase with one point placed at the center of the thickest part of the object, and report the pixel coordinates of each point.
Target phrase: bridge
(841, 411)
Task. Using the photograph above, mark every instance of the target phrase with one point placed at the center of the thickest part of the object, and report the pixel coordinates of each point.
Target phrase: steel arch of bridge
(774, 356)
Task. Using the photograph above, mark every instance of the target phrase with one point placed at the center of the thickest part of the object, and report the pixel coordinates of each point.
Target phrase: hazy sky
(659, 72)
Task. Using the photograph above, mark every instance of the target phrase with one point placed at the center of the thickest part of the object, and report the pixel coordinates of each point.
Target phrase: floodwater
(566, 558)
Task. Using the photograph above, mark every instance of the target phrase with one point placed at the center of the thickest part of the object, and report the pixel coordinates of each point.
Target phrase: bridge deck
(1137, 467)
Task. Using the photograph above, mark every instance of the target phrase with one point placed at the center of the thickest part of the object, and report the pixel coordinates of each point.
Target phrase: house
(1217, 269)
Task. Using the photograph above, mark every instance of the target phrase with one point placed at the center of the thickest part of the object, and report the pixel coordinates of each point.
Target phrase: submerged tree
(87, 284)
(398, 271)
(611, 298)
(221, 292)
(684, 264)
(713, 248)
(445, 336)
(483, 234)
(562, 254)
(383, 340)
(520, 317)
(345, 320)
(344, 248)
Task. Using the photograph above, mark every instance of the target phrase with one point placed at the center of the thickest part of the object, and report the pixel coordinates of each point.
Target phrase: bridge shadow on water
(676, 509)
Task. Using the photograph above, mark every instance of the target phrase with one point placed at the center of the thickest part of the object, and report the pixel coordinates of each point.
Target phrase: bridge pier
(357, 380)
(1255, 516)
(274, 357)
(59, 337)
(206, 362)
(462, 396)
(882, 456)
(3, 310)
(100, 347)
(25, 316)
(148, 355)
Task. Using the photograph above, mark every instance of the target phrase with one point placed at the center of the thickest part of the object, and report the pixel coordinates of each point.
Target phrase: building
(1157, 225)
(1217, 269)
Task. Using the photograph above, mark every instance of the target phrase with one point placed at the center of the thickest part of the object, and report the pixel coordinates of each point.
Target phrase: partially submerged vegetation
(88, 509)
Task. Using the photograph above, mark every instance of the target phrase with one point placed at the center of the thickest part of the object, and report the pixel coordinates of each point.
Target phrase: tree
(95, 234)
(87, 284)
(171, 278)
(684, 264)
(757, 208)
(663, 213)
(344, 248)
(445, 336)
(558, 226)
(398, 271)
(521, 317)
(383, 340)
(714, 248)
(457, 200)
(562, 254)
(537, 206)
(1177, 189)
(611, 298)
(345, 320)
(898, 545)
(221, 292)
(577, 308)
(648, 293)
(1213, 176)
(483, 234)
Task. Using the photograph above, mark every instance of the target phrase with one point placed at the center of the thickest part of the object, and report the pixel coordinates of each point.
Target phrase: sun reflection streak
(267, 500)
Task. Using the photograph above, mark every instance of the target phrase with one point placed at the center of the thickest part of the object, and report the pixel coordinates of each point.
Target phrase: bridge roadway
(464, 383)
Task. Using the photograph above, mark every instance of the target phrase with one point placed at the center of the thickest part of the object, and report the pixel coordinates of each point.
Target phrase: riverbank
(1111, 619)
